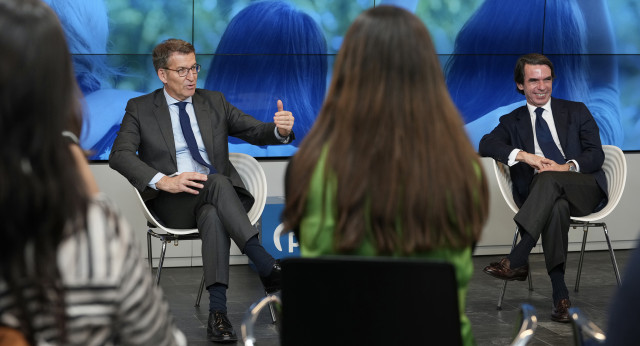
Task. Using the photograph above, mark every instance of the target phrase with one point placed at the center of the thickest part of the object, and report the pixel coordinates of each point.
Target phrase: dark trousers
(553, 198)
(219, 214)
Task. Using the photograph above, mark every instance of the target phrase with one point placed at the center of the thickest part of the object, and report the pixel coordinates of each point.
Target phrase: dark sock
(217, 297)
(519, 256)
(259, 256)
(560, 290)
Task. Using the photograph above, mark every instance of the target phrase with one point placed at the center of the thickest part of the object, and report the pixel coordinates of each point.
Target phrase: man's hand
(283, 120)
(556, 167)
(184, 182)
(538, 162)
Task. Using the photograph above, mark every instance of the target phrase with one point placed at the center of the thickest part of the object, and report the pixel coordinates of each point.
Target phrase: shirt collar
(171, 100)
(532, 108)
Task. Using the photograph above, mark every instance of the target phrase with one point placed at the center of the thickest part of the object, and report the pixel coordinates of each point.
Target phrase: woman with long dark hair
(387, 169)
(69, 268)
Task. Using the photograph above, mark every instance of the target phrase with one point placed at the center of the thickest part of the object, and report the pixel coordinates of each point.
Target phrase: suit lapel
(204, 123)
(561, 120)
(526, 135)
(162, 116)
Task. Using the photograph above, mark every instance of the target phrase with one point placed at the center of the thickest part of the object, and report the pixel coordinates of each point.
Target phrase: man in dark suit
(553, 149)
(172, 146)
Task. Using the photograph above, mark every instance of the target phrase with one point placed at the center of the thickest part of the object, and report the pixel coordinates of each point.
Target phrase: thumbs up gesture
(283, 120)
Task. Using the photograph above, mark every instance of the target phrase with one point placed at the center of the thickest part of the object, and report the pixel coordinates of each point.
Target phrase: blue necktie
(545, 140)
(190, 138)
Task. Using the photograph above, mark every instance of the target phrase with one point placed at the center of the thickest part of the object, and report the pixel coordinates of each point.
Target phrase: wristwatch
(572, 167)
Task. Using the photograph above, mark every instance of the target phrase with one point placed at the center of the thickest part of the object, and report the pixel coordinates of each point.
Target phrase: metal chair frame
(528, 325)
(585, 332)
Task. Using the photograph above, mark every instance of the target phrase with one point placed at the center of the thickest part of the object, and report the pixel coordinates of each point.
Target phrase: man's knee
(218, 179)
(549, 184)
(561, 207)
(545, 179)
(206, 212)
(217, 183)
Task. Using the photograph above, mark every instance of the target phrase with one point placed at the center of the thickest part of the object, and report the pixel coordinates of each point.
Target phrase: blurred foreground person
(70, 273)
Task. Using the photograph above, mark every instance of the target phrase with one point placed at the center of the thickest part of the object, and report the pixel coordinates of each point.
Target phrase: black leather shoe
(219, 328)
(271, 282)
(560, 312)
(502, 270)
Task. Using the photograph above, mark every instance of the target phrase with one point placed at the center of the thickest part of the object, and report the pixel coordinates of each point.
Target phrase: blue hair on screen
(269, 51)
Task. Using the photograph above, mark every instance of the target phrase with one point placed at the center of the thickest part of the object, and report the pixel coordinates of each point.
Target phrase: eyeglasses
(184, 71)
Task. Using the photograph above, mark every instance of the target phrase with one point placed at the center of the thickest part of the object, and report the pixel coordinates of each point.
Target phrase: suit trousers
(219, 215)
(553, 198)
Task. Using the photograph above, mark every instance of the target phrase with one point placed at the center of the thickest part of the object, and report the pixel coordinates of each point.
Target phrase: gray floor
(490, 326)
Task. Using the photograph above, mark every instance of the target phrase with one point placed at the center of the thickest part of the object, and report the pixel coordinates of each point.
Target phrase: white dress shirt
(547, 115)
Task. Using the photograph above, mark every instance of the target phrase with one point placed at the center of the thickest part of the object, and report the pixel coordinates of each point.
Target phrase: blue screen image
(257, 52)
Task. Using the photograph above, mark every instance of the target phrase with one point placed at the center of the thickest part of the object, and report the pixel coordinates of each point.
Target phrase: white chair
(615, 169)
(528, 324)
(255, 181)
(166, 236)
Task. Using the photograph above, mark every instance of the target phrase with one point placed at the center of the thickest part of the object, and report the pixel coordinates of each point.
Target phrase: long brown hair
(41, 191)
(396, 144)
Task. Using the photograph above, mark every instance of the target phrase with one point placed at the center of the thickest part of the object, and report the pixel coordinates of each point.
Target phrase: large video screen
(257, 52)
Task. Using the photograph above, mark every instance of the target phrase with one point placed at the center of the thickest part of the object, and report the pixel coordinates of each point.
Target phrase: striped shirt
(110, 296)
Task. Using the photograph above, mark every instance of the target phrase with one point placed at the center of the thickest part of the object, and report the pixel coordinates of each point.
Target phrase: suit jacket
(578, 134)
(145, 145)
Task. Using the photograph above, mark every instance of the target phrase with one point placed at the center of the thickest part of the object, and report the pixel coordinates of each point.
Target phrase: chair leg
(271, 309)
(504, 285)
(585, 228)
(164, 250)
(613, 256)
(149, 257)
(529, 273)
(504, 289)
(200, 291)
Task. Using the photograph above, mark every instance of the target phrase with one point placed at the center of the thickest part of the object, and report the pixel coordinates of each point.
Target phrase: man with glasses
(172, 146)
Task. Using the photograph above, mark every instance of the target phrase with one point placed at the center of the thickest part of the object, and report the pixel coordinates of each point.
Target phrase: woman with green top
(387, 169)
